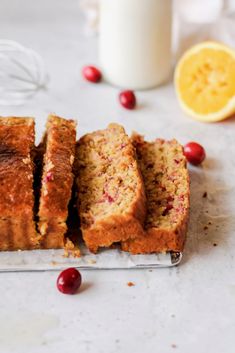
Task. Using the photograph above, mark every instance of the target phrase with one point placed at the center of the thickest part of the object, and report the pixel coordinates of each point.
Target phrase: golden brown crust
(16, 184)
(106, 158)
(158, 240)
(18, 233)
(167, 190)
(57, 180)
(110, 230)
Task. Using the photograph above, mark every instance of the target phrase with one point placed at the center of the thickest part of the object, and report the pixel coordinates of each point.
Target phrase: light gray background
(192, 306)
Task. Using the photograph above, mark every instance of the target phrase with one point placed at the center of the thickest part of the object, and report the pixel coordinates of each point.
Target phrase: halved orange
(205, 82)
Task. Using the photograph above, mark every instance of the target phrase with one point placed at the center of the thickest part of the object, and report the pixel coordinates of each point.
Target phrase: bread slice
(57, 179)
(111, 198)
(166, 181)
(17, 227)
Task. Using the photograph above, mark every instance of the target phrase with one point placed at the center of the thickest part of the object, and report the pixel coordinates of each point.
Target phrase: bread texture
(17, 227)
(111, 197)
(57, 180)
(166, 180)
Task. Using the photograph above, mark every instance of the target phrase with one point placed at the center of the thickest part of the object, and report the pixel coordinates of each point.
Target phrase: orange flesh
(207, 80)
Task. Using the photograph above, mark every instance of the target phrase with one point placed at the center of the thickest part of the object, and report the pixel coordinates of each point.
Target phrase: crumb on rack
(74, 253)
(54, 263)
(130, 284)
(70, 249)
(66, 253)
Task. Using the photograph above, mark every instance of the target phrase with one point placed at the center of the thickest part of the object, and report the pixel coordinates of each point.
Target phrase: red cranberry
(127, 99)
(49, 177)
(69, 281)
(92, 74)
(194, 153)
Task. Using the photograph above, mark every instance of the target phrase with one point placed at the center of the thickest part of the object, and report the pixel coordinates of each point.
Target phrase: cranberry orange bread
(166, 180)
(57, 179)
(17, 227)
(111, 198)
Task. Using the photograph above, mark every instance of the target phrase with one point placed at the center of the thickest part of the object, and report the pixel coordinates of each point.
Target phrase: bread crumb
(215, 244)
(66, 253)
(91, 261)
(130, 284)
(76, 253)
(70, 249)
(204, 195)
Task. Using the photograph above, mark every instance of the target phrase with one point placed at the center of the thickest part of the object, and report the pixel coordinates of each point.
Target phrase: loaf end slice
(57, 180)
(111, 197)
(166, 179)
(17, 227)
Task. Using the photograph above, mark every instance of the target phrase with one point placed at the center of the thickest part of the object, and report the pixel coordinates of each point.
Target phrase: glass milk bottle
(135, 42)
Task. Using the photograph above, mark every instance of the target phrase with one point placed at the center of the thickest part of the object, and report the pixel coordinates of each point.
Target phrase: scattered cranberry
(69, 281)
(91, 74)
(127, 99)
(194, 153)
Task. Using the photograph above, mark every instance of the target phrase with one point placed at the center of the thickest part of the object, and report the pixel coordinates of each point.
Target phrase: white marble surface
(190, 308)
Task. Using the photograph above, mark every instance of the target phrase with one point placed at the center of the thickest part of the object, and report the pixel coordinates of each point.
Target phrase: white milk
(135, 42)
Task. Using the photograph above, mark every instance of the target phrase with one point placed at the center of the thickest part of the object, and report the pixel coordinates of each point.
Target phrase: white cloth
(199, 20)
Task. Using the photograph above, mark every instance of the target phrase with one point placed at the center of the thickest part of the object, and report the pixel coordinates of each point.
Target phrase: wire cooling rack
(107, 259)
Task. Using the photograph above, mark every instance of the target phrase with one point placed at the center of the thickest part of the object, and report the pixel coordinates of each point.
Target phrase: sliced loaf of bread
(166, 181)
(57, 180)
(17, 227)
(111, 197)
